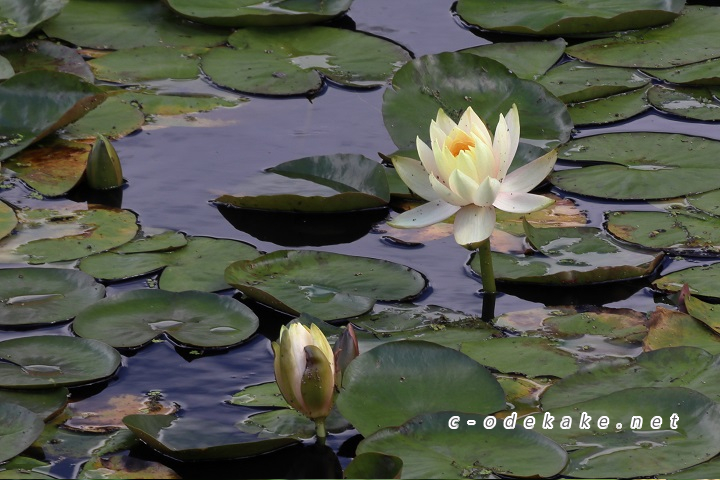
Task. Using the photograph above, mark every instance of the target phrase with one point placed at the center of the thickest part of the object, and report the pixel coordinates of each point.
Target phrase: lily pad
(177, 438)
(294, 61)
(119, 24)
(703, 280)
(151, 103)
(142, 64)
(162, 242)
(429, 449)
(44, 55)
(326, 285)
(374, 465)
(701, 73)
(8, 220)
(20, 17)
(614, 108)
(255, 13)
(396, 381)
(679, 231)
(703, 311)
(197, 266)
(44, 403)
(622, 449)
(360, 183)
(670, 328)
(35, 104)
(113, 119)
(579, 82)
(528, 60)
(197, 319)
(6, 68)
(124, 466)
(571, 256)
(32, 296)
(696, 103)
(688, 367)
(456, 81)
(574, 17)
(55, 361)
(287, 422)
(263, 395)
(406, 317)
(707, 202)
(19, 427)
(640, 166)
(691, 38)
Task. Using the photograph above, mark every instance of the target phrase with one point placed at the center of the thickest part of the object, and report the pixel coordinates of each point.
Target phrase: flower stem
(320, 430)
(486, 267)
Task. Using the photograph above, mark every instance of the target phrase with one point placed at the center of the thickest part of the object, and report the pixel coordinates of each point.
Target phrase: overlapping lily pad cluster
(73, 68)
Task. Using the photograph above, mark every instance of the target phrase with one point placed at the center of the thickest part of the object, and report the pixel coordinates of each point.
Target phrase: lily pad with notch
(20, 17)
(194, 319)
(696, 103)
(614, 108)
(528, 60)
(326, 285)
(33, 296)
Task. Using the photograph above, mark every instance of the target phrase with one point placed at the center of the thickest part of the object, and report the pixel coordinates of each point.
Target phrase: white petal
(415, 177)
(463, 185)
(529, 176)
(466, 163)
(427, 157)
(446, 163)
(445, 123)
(512, 120)
(501, 147)
(471, 123)
(484, 161)
(521, 202)
(473, 224)
(486, 193)
(424, 215)
(446, 194)
(437, 135)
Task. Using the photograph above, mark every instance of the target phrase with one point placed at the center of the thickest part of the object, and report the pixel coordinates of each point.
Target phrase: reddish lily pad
(669, 328)
(8, 220)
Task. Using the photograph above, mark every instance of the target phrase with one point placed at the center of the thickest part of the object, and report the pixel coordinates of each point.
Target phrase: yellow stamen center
(458, 141)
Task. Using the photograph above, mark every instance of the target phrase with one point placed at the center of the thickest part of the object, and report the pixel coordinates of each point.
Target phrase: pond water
(173, 172)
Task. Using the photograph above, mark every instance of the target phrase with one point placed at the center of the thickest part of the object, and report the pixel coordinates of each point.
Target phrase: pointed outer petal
(284, 371)
(445, 123)
(427, 157)
(463, 185)
(484, 160)
(466, 163)
(437, 135)
(529, 176)
(424, 215)
(415, 177)
(486, 192)
(279, 376)
(471, 123)
(318, 383)
(346, 349)
(474, 224)
(518, 202)
(292, 350)
(502, 145)
(512, 119)
(447, 195)
(321, 341)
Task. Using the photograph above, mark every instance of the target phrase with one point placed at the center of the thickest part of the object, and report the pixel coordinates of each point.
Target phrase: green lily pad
(528, 60)
(529, 356)
(678, 231)
(20, 17)
(703, 280)
(294, 61)
(124, 466)
(688, 367)
(256, 13)
(19, 427)
(640, 166)
(44, 403)
(55, 361)
(614, 108)
(103, 229)
(32, 296)
(621, 451)
(196, 319)
(696, 103)
(374, 465)
(44, 55)
(703, 311)
(113, 119)
(456, 81)
(407, 317)
(177, 438)
(571, 256)
(8, 220)
(142, 64)
(151, 103)
(701, 73)
(707, 202)
(325, 285)
(429, 449)
(704, 470)
(120, 24)
(35, 104)
(579, 82)
(691, 38)
(197, 266)
(162, 242)
(356, 183)
(574, 17)
(670, 328)
(394, 382)
(6, 68)
(287, 422)
(263, 395)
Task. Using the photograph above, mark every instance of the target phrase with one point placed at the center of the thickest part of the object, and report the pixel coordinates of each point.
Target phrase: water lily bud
(305, 370)
(345, 350)
(103, 170)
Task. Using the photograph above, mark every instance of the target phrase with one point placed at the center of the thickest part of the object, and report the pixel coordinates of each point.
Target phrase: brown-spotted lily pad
(669, 328)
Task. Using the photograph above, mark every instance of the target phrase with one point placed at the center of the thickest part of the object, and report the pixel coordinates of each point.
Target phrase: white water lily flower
(465, 174)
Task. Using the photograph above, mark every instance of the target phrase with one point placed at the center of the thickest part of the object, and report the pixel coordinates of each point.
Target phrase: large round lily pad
(394, 382)
(569, 17)
(46, 403)
(132, 319)
(430, 449)
(178, 438)
(19, 428)
(528, 60)
(697, 103)
(640, 166)
(19, 17)
(55, 361)
(255, 13)
(31, 296)
(294, 60)
(34, 104)
(326, 285)
(692, 37)
(456, 81)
